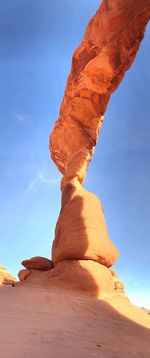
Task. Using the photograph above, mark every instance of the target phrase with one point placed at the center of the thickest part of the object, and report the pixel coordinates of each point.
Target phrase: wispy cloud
(31, 185)
(41, 178)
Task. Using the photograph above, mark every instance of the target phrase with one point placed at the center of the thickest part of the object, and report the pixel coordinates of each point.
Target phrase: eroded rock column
(81, 231)
(107, 50)
(82, 252)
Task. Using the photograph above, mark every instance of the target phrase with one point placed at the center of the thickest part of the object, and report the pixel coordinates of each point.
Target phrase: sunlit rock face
(38, 263)
(23, 274)
(6, 278)
(106, 52)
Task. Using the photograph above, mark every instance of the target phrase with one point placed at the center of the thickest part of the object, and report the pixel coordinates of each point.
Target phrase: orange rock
(23, 274)
(106, 52)
(85, 276)
(6, 278)
(81, 231)
(76, 166)
(49, 317)
(38, 263)
(118, 284)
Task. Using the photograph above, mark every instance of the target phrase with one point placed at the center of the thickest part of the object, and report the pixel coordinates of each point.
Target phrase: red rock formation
(6, 278)
(106, 52)
(38, 263)
(76, 275)
(117, 283)
(23, 274)
(81, 231)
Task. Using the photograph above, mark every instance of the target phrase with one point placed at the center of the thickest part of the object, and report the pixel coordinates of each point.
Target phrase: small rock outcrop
(38, 263)
(23, 274)
(117, 283)
(6, 278)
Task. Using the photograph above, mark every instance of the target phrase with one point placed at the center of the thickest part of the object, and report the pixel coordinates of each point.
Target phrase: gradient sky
(37, 39)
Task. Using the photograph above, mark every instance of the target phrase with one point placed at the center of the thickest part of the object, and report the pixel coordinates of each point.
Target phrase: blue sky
(37, 39)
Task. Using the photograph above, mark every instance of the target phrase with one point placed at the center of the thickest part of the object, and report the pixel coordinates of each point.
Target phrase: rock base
(86, 276)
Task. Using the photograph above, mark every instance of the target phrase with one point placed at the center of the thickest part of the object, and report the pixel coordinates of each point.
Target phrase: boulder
(38, 263)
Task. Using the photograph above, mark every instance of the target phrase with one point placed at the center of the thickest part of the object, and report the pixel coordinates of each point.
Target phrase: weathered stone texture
(6, 278)
(106, 52)
(81, 231)
(38, 263)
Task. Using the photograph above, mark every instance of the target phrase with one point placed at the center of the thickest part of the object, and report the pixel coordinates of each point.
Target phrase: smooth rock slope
(54, 322)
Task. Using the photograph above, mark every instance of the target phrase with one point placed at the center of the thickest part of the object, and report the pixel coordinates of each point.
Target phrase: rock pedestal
(81, 231)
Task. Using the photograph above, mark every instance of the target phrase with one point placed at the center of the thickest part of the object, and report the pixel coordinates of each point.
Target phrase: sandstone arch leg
(81, 231)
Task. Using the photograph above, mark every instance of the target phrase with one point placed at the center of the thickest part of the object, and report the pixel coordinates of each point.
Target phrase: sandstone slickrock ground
(55, 322)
